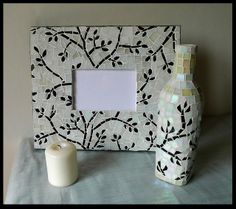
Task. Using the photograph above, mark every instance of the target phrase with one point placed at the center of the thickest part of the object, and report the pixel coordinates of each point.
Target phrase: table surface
(112, 177)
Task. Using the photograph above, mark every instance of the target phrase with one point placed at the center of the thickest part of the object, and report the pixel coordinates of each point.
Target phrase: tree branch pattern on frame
(89, 130)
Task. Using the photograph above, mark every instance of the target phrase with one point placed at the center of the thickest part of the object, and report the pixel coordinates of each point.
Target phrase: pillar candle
(61, 162)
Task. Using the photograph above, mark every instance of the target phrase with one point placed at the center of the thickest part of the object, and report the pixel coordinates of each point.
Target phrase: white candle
(61, 162)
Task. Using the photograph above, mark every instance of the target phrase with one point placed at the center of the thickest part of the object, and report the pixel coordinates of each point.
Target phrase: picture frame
(57, 51)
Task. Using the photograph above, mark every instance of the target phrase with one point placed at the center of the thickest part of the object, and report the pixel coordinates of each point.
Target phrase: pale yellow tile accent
(179, 55)
(179, 69)
(186, 63)
(186, 70)
(180, 61)
(186, 92)
(166, 88)
(187, 55)
(171, 90)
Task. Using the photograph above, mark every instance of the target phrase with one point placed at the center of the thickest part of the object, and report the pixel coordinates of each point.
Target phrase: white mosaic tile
(177, 139)
(56, 51)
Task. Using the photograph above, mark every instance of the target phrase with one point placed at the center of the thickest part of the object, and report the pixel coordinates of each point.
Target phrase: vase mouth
(186, 48)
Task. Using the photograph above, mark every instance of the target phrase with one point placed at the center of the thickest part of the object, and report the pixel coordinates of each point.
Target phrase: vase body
(180, 111)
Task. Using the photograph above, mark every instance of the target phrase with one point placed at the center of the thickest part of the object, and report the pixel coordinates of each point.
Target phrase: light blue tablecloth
(128, 177)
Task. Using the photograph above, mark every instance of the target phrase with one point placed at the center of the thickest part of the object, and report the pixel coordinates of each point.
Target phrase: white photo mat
(101, 90)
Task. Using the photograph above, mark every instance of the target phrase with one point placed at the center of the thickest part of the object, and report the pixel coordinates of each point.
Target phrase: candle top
(60, 149)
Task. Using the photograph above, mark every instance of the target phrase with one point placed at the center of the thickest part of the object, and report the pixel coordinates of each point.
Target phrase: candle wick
(59, 146)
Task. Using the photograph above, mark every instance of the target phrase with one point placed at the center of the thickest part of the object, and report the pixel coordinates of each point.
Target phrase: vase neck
(185, 61)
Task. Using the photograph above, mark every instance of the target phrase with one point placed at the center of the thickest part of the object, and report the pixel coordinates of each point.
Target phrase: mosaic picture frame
(57, 51)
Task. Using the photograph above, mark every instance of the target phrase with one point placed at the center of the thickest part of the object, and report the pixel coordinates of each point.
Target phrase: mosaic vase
(180, 111)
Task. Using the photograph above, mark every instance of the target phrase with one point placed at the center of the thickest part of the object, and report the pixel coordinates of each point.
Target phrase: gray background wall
(207, 25)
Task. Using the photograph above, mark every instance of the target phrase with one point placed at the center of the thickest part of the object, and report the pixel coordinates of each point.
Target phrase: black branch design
(103, 45)
(43, 136)
(153, 54)
(164, 42)
(150, 139)
(85, 126)
(143, 30)
(90, 138)
(92, 118)
(96, 45)
(144, 99)
(83, 39)
(72, 41)
(116, 138)
(49, 118)
(134, 47)
(64, 54)
(41, 62)
(174, 41)
(62, 34)
(84, 47)
(148, 77)
(115, 61)
(172, 155)
(182, 111)
(100, 139)
(86, 32)
(149, 119)
(113, 51)
(167, 64)
(171, 130)
(74, 120)
(160, 169)
(173, 37)
(53, 92)
(185, 174)
(127, 124)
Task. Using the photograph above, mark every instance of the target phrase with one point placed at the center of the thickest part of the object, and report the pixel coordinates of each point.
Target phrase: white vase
(179, 119)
